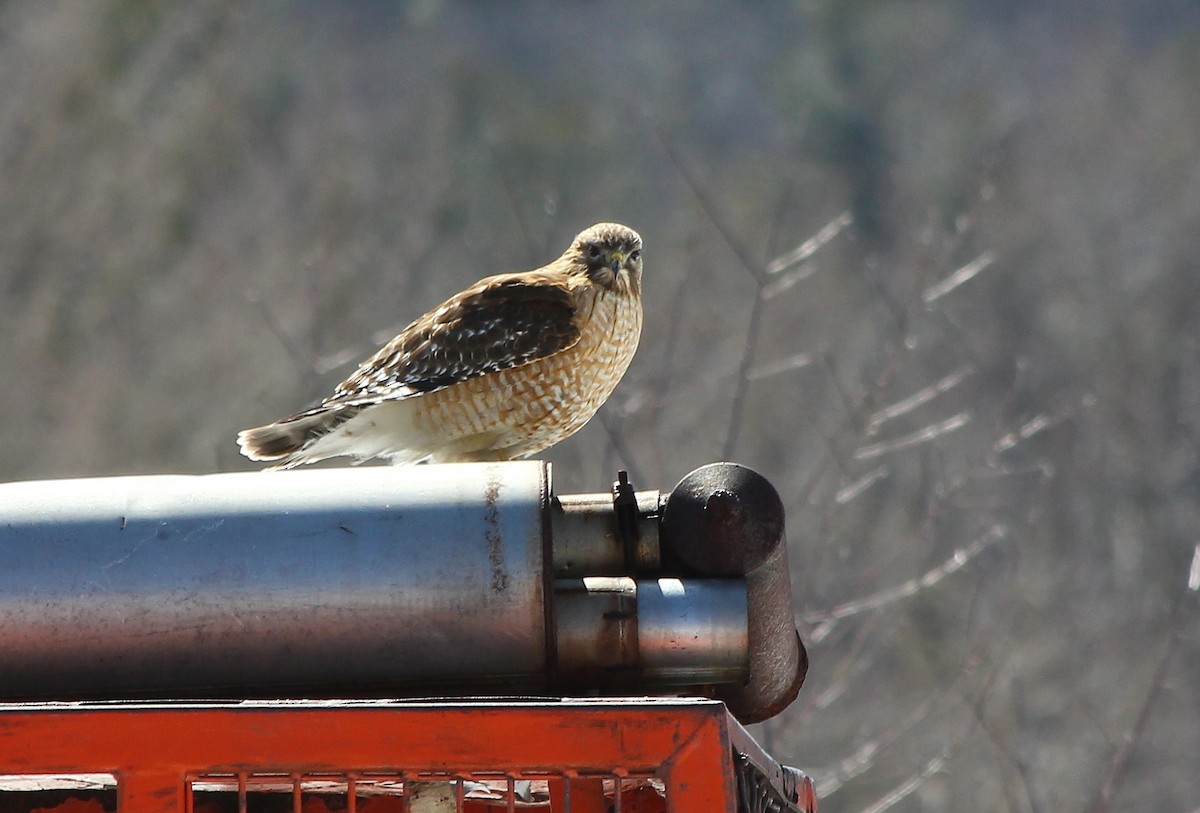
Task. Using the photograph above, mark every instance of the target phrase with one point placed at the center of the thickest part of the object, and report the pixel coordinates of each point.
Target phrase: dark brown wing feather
(499, 323)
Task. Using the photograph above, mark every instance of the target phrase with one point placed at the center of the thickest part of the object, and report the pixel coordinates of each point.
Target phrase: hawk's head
(610, 254)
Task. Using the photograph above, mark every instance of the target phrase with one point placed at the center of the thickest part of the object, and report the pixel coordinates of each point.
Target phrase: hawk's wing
(498, 323)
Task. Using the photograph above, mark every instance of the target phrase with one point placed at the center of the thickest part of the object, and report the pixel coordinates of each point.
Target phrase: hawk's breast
(522, 410)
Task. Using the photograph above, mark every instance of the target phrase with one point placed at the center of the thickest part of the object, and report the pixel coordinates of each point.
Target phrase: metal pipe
(448, 579)
(693, 631)
(726, 520)
(642, 634)
(379, 577)
(587, 541)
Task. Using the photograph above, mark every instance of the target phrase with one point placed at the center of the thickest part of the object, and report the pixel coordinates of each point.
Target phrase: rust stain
(495, 540)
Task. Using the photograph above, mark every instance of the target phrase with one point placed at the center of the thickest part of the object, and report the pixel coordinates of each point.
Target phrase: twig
(1119, 763)
(851, 490)
(618, 443)
(812, 245)
(925, 435)
(962, 275)
(751, 267)
(773, 368)
(514, 202)
(917, 399)
(742, 382)
(1020, 766)
(957, 561)
(914, 782)
(303, 368)
(1040, 423)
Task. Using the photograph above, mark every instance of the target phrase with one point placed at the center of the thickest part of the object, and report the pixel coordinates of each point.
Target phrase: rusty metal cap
(723, 519)
(726, 520)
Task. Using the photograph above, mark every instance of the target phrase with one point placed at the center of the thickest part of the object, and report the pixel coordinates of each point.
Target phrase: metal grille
(427, 792)
(758, 794)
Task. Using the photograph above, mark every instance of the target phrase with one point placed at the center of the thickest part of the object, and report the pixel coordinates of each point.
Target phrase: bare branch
(863, 759)
(514, 199)
(812, 245)
(929, 433)
(1119, 763)
(1020, 766)
(749, 264)
(743, 379)
(298, 356)
(616, 439)
(831, 780)
(891, 595)
(962, 275)
(852, 490)
(784, 282)
(773, 368)
(1040, 423)
(898, 793)
(917, 399)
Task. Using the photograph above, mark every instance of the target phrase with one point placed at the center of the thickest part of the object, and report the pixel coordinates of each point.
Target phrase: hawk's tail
(283, 443)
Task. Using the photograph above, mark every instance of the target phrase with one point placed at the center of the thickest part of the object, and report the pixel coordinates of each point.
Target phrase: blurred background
(929, 266)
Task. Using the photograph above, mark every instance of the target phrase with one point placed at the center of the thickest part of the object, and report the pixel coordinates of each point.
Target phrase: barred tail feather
(362, 431)
(285, 442)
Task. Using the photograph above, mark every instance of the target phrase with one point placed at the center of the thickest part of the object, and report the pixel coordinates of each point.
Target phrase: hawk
(503, 370)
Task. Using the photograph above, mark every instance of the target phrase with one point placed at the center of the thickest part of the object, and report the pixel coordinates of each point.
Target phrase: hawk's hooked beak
(617, 258)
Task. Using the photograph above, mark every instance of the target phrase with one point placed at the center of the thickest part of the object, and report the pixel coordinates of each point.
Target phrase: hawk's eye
(636, 254)
(593, 252)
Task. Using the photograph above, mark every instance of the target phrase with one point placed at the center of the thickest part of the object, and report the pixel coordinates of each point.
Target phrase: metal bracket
(625, 508)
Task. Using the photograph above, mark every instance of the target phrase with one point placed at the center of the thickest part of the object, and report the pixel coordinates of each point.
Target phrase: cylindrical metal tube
(384, 576)
(727, 520)
(651, 633)
(693, 631)
(447, 579)
(596, 642)
(586, 539)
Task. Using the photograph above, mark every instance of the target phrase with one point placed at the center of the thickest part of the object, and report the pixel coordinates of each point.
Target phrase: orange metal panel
(700, 773)
(583, 795)
(315, 738)
(152, 749)
(151, 789)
